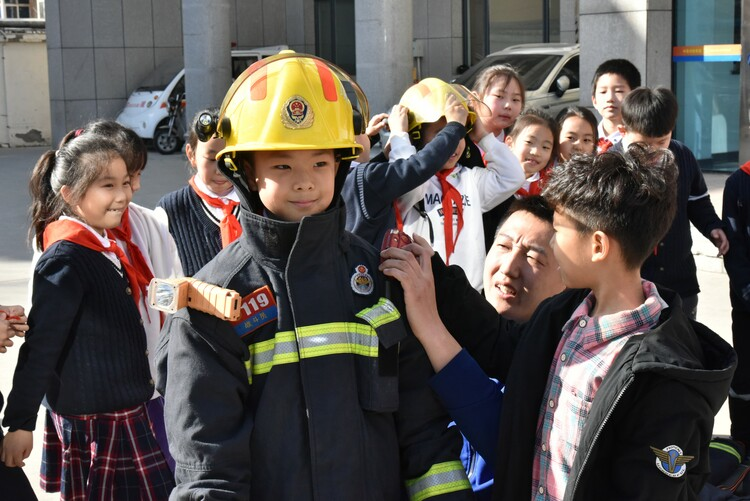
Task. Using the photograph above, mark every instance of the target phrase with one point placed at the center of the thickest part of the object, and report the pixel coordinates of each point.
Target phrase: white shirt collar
(232, 195)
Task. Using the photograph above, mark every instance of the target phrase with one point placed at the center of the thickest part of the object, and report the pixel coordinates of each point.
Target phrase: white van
(147, 107)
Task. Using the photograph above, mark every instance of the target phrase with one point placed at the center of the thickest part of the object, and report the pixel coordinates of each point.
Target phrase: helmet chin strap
(236, 174)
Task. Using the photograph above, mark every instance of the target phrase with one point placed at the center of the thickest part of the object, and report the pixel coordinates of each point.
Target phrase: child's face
(533, 148)
(294, 183)
(505, 101)
(610, 90)
(576, 137)
(430, 130)
(203, 159)
(572, 251)
(105, 201)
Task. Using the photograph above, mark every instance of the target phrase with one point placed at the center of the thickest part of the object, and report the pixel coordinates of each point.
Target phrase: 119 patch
(257, 309)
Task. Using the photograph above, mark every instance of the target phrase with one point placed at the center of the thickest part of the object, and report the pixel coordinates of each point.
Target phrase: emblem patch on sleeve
(670, 461)
(362, 282)
(257, 309)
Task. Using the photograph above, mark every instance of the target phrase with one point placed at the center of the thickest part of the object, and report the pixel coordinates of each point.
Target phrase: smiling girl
(502, 97)
(578, 132)
(85, 352)
(534, 141)
(202, 216)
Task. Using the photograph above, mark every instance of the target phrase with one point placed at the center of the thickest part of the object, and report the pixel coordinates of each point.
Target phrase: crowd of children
(336, 382)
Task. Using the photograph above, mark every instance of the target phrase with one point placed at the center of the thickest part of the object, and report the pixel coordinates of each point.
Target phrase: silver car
(549, 72)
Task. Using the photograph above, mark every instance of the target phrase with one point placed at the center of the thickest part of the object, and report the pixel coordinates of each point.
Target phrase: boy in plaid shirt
(611, 390)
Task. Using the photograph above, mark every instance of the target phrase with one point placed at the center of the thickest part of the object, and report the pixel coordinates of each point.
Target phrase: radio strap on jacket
(451, 199)
(230, 227)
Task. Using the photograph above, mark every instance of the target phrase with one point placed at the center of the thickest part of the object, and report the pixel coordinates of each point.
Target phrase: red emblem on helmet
(297, 114)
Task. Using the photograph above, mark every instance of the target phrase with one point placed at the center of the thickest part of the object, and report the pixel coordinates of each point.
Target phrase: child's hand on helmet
(376, 124)
(398, 120)
(455, 111)
(478, 130)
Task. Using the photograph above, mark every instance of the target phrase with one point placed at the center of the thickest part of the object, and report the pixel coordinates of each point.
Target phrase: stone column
(207, 53)
(384, 50)
(745, 86)
(637, 30)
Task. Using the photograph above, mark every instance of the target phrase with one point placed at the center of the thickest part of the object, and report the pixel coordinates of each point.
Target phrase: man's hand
(719, 239)
(12, 323)
(412, 267)
(17, 317)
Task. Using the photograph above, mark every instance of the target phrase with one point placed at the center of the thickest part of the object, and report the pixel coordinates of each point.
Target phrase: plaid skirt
(108, 456)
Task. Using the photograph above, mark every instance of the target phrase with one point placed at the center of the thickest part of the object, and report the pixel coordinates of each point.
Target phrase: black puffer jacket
(663, 390)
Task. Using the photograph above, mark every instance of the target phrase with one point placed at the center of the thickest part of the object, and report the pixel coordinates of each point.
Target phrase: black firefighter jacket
(318, 392)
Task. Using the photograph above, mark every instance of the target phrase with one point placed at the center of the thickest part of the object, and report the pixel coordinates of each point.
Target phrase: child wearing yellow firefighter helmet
(317, 391)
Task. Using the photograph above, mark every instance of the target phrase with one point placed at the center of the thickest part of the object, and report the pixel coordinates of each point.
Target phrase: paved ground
(167, 173)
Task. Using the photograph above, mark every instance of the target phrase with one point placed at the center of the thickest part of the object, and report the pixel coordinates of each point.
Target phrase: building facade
(99, 51)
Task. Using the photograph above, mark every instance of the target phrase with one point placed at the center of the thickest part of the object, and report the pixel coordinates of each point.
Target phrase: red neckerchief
(535, 187)
(399, 217)
(124, 233)
(72, 231)
(746, 168)
(451, 200)
(229, 226)
(603, 145)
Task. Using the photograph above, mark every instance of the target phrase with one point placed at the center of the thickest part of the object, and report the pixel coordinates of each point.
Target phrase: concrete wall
(438, 32)
(569, 21)
(24, 90)
(384, 50)
(100, 50)
(260, 23)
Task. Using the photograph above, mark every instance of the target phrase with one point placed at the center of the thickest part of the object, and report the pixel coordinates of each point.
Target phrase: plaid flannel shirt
(587, 349)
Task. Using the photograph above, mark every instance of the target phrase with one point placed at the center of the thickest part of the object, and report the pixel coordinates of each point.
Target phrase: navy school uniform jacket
(86, 347)
(672, 264)
(320, 393)
(370, 188)
(663, 389)
(736, 214)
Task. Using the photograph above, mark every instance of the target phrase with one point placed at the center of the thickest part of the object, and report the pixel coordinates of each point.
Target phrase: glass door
(706, 78)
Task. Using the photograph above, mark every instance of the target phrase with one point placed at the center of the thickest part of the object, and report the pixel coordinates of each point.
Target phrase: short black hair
(632, 197)
(650, 112)
(621, 67)
(536, 205)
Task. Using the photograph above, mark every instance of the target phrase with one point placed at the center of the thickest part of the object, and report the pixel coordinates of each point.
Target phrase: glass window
(19, 9)
(532, 68)
(531, 21)
(707, 84)
(571, 71)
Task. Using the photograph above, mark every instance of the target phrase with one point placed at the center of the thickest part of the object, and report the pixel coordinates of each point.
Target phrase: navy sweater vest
(196, 233)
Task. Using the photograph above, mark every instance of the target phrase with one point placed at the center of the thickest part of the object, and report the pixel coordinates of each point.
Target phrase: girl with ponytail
(85, 352)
